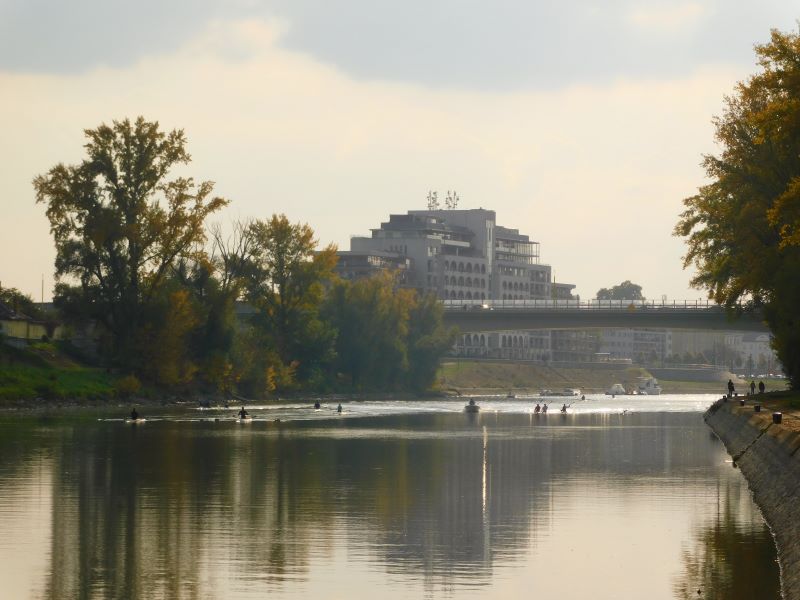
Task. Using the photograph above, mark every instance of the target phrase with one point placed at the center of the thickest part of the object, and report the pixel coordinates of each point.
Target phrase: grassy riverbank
(475, 376)
(43, 372)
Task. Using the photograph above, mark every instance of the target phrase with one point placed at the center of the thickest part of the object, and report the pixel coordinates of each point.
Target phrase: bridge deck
(509, 318)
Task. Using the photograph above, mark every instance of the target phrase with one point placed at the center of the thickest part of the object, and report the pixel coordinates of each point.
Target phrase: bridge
(510, 315)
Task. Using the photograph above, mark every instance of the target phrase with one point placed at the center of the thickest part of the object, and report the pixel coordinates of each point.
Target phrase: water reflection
(407, 505)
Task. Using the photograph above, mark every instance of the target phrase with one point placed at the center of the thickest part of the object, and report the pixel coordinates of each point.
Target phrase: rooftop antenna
(451, 202)
(433, 201)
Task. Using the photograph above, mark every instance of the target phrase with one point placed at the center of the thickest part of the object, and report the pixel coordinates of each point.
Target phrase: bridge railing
(575, 304)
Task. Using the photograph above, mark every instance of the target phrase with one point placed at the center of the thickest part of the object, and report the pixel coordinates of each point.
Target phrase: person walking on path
(730, 388)
(761, 387)
(752, 388)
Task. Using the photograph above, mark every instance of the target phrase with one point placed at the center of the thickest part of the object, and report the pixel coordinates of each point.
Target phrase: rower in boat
(544, 409)
(339, 408)
(564, 409)
(243, 413)
(134, 415)
(538, 409)
(472, 407)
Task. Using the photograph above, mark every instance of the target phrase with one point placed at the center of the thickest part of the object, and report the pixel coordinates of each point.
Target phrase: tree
(119, 223)
(624, 291)
(743, 228)
(387, 337)
(371, 319)
(428, 341)
(286, 283)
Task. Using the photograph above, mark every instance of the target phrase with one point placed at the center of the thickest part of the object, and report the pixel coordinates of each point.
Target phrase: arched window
(461, 267)
(469, 267)
(461, 280)
(469, 281)
(460, 295)
(483, 269)
(469, 295)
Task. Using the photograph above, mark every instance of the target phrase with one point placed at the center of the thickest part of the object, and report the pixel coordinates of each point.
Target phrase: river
(622, 498)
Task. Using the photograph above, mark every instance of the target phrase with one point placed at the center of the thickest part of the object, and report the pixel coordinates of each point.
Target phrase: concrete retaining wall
(768, 457)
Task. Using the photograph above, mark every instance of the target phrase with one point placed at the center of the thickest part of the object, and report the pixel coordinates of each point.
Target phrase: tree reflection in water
(437, 501)
(733, 557)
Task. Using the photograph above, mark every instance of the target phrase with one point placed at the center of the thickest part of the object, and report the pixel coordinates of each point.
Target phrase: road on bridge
(482, 317)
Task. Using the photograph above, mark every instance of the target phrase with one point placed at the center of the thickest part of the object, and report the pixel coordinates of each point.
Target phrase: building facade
(462, 255)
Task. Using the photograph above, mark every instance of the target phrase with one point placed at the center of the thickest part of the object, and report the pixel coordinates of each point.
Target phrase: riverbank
(768, 455)
(493, 377)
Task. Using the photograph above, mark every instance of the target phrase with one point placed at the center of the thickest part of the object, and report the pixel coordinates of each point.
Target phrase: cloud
(505, 45)
(594, 172)
(668, 17)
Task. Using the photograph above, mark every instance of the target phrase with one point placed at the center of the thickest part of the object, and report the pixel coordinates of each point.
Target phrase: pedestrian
(730, 388)
(761, 387)
(752, 388)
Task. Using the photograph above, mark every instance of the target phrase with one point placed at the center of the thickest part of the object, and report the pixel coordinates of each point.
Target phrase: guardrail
(450, 305)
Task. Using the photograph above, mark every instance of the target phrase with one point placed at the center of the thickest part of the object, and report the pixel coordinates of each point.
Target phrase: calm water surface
(387, 500)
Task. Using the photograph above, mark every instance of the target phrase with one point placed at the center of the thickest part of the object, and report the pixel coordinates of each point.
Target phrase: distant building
(357, 265)
(462, 255)
(754, 351)
(19, 328)
(639, 345)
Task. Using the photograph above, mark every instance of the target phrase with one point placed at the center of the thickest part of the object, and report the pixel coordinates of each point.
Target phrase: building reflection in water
(210, 510)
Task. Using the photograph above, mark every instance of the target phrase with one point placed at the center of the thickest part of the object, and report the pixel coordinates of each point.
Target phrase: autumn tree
(743, 227)
(120, 222)
(285, 282)
(624, 291)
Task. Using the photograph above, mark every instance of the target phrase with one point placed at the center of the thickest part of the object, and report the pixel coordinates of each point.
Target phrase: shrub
(127, 386)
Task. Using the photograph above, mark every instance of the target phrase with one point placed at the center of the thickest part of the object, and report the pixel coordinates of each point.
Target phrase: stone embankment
(768, 456)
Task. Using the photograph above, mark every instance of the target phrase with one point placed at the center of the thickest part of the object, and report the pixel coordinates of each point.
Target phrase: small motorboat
(649, 386)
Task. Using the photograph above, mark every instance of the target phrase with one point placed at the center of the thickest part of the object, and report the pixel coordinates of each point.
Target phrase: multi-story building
(640, 345)
(464, 255)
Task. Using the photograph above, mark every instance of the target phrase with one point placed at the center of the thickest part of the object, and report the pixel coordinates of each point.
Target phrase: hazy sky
(581, 123)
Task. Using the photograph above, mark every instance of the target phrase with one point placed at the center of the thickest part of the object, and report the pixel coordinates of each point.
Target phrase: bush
(127, 386)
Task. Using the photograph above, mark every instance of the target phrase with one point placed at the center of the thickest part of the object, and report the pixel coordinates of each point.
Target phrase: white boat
(616, 390)
(649, 386)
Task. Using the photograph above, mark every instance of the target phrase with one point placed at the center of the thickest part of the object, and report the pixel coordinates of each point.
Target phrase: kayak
(135, 421)
(244, 420)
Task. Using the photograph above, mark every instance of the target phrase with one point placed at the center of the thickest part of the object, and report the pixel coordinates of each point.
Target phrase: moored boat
(616, 390)
(649, 386)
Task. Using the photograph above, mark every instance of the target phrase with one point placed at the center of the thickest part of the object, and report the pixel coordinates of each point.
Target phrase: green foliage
(286, 283)
(624, 291)
(21, 303)
(387, 337)
(119, 224)
(127, 386)
(742, 228)
(24, 381)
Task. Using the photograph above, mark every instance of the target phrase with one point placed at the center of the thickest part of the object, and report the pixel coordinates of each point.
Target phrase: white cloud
(668, 17)
(594, 173)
